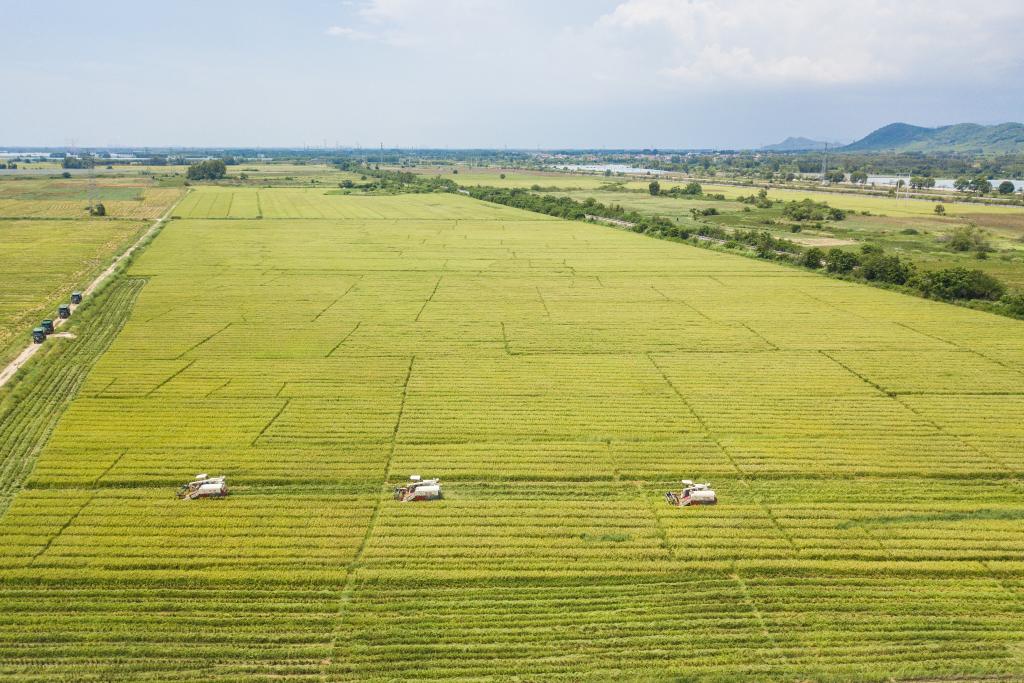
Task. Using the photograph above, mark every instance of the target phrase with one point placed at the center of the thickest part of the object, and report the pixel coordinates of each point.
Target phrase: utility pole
(824, 165)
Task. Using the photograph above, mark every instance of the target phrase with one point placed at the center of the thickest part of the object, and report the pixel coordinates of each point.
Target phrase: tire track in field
(347, 590)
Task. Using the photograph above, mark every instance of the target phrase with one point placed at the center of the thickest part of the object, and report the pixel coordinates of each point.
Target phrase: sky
(667, 74)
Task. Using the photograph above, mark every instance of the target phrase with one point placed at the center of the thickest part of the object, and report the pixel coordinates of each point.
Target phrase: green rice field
(867, 450)
(42, 261)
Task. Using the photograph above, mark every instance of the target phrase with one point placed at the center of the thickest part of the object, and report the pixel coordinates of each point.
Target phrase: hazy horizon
(526, 74)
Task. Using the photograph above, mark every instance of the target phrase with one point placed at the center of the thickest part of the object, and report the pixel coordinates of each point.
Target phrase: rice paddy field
(50, 246)
(42, 261)
(317, 349)
(901, 227)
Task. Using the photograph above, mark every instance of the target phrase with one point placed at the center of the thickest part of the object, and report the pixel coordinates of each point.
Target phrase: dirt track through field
(12, 368)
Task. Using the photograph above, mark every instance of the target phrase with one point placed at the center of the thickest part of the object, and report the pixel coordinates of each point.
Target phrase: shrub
(1013, 303)
(959, 283)
(879, 267)
(967, 238)
(839, 261)
(808, 210)
(812, 258)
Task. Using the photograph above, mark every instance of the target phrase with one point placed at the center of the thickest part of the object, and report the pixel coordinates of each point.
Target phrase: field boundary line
(543, 302)
(930, 336)
(96, 481)
(331, 305)
(267, 426)
(844, 366)
(201, 342)
(956, 437)
(743, 477)
(772, 346)
(63, 528)
(504, 339)
(343, 340)
(26, 354)
(758, 614)
(684, 303)
(659, 528)
(171, 378)
(429, 298)
(350, 580)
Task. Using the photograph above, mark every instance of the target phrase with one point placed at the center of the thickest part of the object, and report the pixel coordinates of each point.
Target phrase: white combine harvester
(692, 494)
(418, 489)
(204, 486)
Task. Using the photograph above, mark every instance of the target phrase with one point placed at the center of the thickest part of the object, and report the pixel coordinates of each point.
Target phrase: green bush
(959, 283)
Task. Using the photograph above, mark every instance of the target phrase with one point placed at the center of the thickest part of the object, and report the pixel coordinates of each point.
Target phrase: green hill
(795, 144)
(961, 137)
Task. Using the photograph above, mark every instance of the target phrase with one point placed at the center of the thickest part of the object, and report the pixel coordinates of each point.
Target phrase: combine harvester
(204, 486)
(419, 489)
(692, 494)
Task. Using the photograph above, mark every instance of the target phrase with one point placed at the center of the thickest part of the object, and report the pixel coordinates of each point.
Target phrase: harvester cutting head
(204, 486)
(692, 494)
(419, 489)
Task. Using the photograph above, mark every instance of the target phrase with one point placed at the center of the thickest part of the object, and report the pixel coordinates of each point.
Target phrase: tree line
(872, 264)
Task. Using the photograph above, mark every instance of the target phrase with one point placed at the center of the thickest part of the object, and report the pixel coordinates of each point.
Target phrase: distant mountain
(961, 137)
(796, 145)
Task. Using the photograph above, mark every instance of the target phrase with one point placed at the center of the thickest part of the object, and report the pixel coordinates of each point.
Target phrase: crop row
(30, 415)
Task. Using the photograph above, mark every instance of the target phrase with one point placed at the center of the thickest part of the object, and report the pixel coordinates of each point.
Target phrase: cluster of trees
(874, 265)
(959, 283)
(691, 189)
(760, 200)
(809, 210)
(211, 169)
(404, 181)
(978, 184)
(856, 165)
(83, 161)
(10, 164)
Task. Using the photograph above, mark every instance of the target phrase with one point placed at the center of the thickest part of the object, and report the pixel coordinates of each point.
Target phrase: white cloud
(797, 42)
(347, 32)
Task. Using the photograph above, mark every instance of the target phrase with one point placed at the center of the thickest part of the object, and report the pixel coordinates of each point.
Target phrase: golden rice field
(42, 261)
(866, 447)
(135, 198)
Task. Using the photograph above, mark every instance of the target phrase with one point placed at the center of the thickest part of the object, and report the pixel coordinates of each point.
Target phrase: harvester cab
(204, 486)
(47, 325)
(38, 335)
(76, 297)
(64, 311)
(419, 489)
(692, 494)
